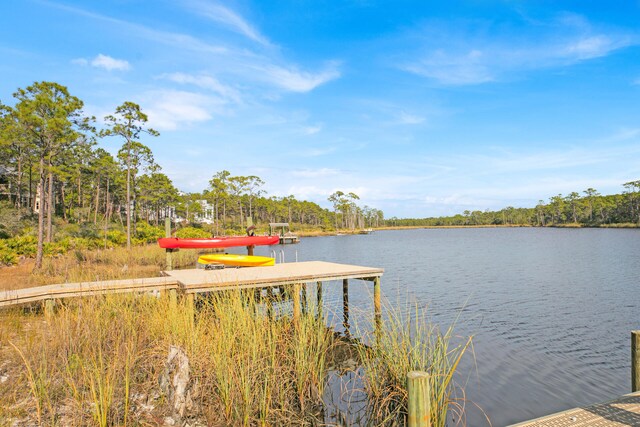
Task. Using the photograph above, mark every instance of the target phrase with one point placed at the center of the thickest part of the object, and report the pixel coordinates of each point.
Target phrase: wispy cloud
(294, 80)
(316, 152)
(251, 66)
(206, 82)
(109, 63)
(469, 54)
(311, 130)
(179, 40)
(315, 173)
(105, 62)
(170, 109)
(227, 17)
(409, 119)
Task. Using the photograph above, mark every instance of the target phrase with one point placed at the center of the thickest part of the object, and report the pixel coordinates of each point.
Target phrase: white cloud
(170, 109)
(294, 80)
(109, 63)
(453, 68)
(315, 152)
(315, 173)
(205, 82)
(590, 47)
(470, 55)
(409, 119)
(103, 61)
(237, 62)
(218, 13)
(311, 130)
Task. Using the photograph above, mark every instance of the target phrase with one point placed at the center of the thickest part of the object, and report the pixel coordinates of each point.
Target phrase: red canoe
(217, 242)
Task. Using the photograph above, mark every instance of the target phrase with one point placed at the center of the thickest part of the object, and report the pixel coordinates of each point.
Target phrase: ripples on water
(550, 310)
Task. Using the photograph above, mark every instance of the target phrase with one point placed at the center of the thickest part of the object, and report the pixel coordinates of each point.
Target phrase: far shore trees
(129, 123)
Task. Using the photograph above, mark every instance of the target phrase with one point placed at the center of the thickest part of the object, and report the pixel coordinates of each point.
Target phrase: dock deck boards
(623, 411)
(199, 280)
(66, 290)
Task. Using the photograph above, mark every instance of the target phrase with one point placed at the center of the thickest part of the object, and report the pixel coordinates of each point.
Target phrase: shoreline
(319, 233)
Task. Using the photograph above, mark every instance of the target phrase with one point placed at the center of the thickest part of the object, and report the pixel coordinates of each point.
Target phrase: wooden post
(49, 307)
(305, 301)
(167, 233)
(190, 307)
(377, 310)
(377, 307)
(345, 305)
(319, 297)
(635, 361)
(418, 404)
(296, 303)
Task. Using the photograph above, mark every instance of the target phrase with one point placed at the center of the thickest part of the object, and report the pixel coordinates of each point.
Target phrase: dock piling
(296, 303)
(377, 306)
(418, 411)
(49, 307)
(635, 361)
(169, 252)
(345, 305)
(319, 298)
(305, 301)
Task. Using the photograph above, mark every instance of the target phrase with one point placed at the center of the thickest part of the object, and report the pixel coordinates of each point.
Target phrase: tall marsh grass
(408, 342)
(97, 361)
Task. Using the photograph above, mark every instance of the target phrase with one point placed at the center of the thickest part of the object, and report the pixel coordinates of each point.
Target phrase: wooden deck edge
(249, 284)
(568, 411)
(87, 289)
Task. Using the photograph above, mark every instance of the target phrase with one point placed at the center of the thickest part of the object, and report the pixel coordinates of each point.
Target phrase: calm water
(550, 310)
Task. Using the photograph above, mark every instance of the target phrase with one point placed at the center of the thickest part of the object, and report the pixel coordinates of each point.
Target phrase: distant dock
(282, 229)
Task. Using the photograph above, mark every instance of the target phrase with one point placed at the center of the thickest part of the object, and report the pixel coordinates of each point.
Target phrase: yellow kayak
(236, 260)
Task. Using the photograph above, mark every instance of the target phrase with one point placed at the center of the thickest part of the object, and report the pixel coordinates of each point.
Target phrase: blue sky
(421, 108)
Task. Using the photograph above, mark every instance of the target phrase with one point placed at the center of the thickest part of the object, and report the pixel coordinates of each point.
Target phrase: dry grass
(97, 361)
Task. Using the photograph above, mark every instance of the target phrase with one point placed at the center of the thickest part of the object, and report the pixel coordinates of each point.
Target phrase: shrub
(7, 257)
(117, 237)
(147, 233)
(192, 232)
(23, 245)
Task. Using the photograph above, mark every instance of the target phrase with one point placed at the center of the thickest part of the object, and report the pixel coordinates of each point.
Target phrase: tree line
(589, 208)
(50, 166)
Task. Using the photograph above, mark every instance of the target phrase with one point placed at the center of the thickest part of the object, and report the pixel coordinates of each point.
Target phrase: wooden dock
(199, 280)
(194, 281)
(623, 411)
(81, 289)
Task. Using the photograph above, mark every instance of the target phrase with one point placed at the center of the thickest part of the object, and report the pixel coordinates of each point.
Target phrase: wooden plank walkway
(198, 280)
(67, 290)
(623, 411)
